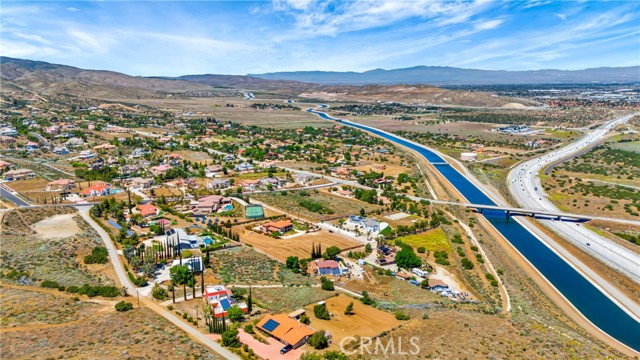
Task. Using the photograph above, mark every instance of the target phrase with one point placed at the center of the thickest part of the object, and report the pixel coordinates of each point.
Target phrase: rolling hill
(444, 75)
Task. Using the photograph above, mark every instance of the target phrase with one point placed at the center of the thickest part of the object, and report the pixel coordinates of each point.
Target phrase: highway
(525, 186)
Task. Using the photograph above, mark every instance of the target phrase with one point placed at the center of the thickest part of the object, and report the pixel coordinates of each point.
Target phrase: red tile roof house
(159, 170)
(96, 190)
(210, 204)
(286, 330)
(328, 267)
(147, 210)
(63, 185)
(220, 300)
(277, 226)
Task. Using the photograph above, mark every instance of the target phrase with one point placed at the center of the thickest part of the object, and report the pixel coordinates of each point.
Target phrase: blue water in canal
(590, 301)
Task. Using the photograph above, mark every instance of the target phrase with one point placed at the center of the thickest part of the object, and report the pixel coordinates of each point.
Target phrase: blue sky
(172, 38)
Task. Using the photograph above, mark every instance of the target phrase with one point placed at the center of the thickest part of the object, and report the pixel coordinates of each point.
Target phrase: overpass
(535, 213)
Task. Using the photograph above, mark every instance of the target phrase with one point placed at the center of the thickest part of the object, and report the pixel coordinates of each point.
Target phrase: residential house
(212, 171)
(328, 267)
(305, 179)
(244, 167)
(86, 154)
(159, 170)
(340, 172)
(276, 226)
(4, 165)
(147, 210)
(31, 146)
(210, 204)
(60, 150)
(104, 147)
(367, 224)
(285, 329)
(273, 181)
(179, 236)
(8, 131)
(437, 285)
(219, 184)
(19, 174)
(74, 142)
(174, 159)
(97, 190)
(137, 152)
(138, 183)
(250, 185)
(62, 185)
(220, 300)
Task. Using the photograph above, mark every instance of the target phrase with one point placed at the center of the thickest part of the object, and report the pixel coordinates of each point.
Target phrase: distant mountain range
(445, 75)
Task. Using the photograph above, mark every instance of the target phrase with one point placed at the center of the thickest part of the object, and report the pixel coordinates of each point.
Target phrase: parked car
(286, 349)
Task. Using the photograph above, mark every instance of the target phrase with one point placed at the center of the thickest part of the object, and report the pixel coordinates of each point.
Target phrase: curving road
(526, 188)
(123, 278)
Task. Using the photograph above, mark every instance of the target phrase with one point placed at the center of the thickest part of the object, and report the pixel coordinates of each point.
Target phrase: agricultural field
(28, 256)
(329, 206)
(80, 330)
(298, 245)
(247, 266)
(287, 299)
(365, 321)
(431, 240)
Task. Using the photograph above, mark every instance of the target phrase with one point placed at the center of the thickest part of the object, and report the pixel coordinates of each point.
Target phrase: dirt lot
(366, 320)
(340, 205)
(288, 299)
(299, 246)
(32, 258)
(59, 226)
(79, 330)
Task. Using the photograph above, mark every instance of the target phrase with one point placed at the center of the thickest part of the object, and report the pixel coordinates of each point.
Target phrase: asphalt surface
(13, 198)
(524, 184)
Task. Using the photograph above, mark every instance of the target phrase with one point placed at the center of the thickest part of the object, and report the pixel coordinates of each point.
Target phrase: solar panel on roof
(270, 325)
(225, 304)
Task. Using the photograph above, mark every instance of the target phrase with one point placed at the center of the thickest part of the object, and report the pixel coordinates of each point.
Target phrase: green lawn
(432, 240)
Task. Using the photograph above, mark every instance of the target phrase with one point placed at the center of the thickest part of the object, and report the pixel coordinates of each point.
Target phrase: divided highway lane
(524, 184)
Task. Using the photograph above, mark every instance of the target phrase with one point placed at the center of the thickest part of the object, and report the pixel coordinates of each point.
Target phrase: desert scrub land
(605, 179)
(247, 266)
(315, 205)
(29, 257)
(21, 307)
(289, 298)
(104, 334)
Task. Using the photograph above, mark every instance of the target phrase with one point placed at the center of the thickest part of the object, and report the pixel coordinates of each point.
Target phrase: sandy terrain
(57, 226)
(296, 246)
(366, 320)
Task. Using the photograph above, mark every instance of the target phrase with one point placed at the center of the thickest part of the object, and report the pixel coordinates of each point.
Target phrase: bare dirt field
(296, 246)
(366, 320)
(58, 226)
(62, 328)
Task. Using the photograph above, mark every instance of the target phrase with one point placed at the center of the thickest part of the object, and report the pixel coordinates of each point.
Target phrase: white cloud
(488, 25)
(562, 17)
(73, 9)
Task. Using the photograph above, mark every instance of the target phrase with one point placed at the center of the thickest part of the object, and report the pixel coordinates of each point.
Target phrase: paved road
(526, 187)
(11, 197)
(123, 278)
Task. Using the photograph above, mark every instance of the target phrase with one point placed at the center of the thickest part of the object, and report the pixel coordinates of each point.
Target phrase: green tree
(180, 275)
(124, 306)
(318, 340)
(293, 263)
(235, 313)
(230, 338)
(326, 284)
(321, 312)
(331, 252)
(349, 310)
(407, 259)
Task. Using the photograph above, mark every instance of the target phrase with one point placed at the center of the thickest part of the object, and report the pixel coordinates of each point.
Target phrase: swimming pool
(227, 207)
(207, 240)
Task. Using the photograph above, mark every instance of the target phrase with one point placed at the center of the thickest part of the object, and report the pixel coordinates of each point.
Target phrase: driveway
(269, 351)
